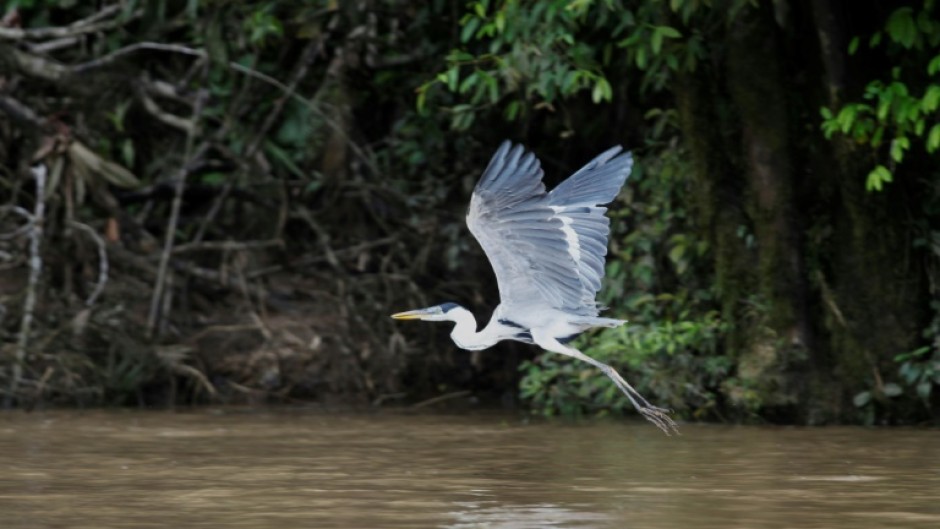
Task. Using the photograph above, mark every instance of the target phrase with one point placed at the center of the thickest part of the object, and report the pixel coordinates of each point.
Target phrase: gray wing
(577, 201)
(545, 248)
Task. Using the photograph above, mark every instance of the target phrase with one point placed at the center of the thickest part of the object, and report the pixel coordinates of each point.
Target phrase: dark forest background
(223, 201)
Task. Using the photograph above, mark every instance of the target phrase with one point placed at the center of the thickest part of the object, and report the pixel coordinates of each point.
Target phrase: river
(321, 469)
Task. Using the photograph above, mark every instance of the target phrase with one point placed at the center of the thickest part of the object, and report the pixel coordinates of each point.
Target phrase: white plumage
(547, 250)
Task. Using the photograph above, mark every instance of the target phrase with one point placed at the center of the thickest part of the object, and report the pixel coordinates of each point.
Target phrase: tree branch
(80, 27)
(226, 246)
(186, 125)
(32, 285)
(174, 215)
(102, 261)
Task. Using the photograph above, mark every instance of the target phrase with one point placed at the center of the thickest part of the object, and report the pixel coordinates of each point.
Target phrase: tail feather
(595, 321)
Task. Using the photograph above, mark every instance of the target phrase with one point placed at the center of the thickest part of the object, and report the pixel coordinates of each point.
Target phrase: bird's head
(440, 312)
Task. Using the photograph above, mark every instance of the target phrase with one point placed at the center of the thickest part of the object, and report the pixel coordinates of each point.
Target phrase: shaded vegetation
(237, 194)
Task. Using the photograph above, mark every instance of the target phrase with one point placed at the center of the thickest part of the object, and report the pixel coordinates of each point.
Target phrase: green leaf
(631, 40)
(924, 389)
(892, 390)
(280, 155)
(601, 91)
(468, 83)
(421, 102)
(931, 99)
(672, 62)
(127, 152)
(911, 372)
(492, 86)
(570, 81)
(846, 118)
(641, 58)
(877, 178)
(459, 56)
(512, 110)
(213, 178)
(934, 65)
(901, 27)
(933, 138)
(469, 29)
(861, 399)
(883, 107)
(669, 32)
(853, 46)
(500, 21)
(898, 146)
(462, 117)
(676, 253)
(656, 42)
(606, 93)
(660, 33)
(452, 77)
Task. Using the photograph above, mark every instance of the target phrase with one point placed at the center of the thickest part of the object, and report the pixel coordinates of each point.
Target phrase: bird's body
(547, 250)
(554, 323)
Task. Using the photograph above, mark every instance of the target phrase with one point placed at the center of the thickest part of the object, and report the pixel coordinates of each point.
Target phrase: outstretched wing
(545, 248)
(577, 202)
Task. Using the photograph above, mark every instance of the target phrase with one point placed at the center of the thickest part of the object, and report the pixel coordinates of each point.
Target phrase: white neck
(465, 333)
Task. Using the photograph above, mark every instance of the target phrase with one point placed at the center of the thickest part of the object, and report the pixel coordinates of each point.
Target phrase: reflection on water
(312, 469)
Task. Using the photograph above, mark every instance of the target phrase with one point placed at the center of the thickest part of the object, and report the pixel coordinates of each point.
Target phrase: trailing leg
(658, 416)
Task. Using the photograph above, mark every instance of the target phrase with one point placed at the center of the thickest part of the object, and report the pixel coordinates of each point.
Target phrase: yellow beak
(408, 315)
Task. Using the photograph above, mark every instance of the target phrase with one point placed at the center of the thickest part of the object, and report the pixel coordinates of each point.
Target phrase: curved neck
(465, 333)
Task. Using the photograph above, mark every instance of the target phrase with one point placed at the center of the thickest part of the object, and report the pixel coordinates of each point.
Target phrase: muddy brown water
(315, 469)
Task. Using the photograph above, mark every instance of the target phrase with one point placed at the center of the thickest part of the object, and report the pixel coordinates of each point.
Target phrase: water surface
(285, 469)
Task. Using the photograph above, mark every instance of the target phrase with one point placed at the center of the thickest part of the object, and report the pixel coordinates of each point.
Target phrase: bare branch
(164, 89)
(34, 65)
(134, 48)
(319, 258)
(174, 357)
(22, 114)
(226, 246)
(86, 25)
(35, 272)
(300, 71)
(186, 125)
(52, 45)
(194, 52)
(102, 261)
(22, 229)
(174, 215)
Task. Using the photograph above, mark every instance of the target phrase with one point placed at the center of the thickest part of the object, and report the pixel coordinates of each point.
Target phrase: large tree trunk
(815, 321)
(757, 85)
(873, 289)
(719, 199)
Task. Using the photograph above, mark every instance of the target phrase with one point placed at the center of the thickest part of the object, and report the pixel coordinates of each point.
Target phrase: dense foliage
(267, 180)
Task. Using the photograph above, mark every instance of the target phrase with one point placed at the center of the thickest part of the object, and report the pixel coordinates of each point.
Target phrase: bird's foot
(660, 417)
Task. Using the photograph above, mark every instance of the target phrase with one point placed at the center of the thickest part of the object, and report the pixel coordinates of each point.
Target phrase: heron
(547, 250)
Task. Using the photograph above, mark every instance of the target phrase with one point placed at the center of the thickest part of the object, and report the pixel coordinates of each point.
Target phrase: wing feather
(545, 248)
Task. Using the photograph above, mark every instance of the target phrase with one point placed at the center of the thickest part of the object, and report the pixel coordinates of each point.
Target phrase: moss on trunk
(719, 197)
(757, 87)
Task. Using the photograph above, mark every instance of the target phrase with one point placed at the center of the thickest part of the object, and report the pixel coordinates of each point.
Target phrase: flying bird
(547, 250)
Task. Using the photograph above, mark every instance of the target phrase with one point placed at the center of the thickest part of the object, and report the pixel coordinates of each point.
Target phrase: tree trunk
(872, 286)
(757, 86)
(718, 200)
